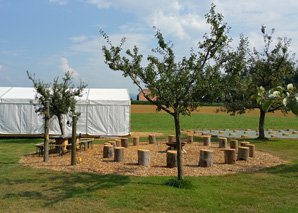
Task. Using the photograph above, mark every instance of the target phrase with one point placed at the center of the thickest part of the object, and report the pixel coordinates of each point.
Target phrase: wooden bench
(40, 147)
(86, 141)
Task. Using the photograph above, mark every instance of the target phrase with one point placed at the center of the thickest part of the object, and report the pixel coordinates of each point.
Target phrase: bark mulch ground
(92, 161)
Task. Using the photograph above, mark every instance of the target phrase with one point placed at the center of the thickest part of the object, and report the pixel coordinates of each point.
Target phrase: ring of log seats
(136, 141)
(189, 138)
(171, 138)
(243, 153)
(234, 144)
(251, 150)
(222, 142)
(230, 156)
(151, 139)
(143, 157)
(244, 143)
(206, 158)
(124, 142)
(108, 151)
(171, 158)
(119, 154)
(207, 140)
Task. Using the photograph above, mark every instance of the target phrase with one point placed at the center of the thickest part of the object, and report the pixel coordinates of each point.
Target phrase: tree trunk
(261, 125)
(60, 120)
(178, 141)
(46, 131)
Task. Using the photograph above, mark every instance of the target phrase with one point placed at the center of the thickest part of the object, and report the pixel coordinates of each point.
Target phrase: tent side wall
(111, 118)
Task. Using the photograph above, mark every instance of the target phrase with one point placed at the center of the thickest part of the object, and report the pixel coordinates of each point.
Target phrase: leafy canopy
(269, 68)
(178, 86)
(62, 96)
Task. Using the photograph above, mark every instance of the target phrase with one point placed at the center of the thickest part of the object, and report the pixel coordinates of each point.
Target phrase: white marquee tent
(104, 112)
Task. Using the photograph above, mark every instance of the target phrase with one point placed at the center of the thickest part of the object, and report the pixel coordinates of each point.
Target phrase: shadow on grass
(283, 169)
(57, 187)
(53, 188)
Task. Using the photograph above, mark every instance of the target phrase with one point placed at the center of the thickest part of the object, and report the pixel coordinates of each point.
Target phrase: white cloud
(65, 67)
(61, 2)
(1, 67)
(172, 17)
(100, 3)
(78, 38)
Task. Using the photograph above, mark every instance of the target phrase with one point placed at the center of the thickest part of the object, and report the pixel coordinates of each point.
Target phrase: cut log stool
(124, 142)
(251, 150)
(207, 140)
(151, 139)
(136, 141)
(230, 156)
(143, 157)
(108, 151)
(171, 138)
(189, 138)
(171, 158)
(243, 153)
(119, 154)
(244, 143)
(222, 142)
(117, 143)
(234, 144)
(113, 143)
(206, 158)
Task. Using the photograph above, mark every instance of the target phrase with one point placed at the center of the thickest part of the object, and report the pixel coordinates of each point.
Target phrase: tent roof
(90, 96)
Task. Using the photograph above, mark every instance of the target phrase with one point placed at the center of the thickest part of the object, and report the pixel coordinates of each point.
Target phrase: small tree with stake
(61, 95)
(177, 86)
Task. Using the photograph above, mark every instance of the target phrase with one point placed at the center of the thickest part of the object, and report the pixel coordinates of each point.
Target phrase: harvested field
(93, 161)
(201, 110)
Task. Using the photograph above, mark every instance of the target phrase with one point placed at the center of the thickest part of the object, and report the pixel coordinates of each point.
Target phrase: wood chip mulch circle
(92, 161)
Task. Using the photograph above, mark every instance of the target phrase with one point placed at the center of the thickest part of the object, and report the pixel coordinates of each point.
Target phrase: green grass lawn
(26, 189)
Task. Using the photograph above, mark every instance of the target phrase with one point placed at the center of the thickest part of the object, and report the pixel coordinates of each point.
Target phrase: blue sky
(49, 37)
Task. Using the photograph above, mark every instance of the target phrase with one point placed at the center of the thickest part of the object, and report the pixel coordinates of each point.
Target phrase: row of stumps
(118, 146)
(244, 151)
(231, 154)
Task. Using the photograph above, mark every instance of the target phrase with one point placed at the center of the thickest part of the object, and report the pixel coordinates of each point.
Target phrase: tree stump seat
(108, 151)
(206, 158)
(144, 157)
(119, 154)
(171, 158)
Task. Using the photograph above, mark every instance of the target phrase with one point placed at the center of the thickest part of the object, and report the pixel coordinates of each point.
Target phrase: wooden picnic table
(63, 146)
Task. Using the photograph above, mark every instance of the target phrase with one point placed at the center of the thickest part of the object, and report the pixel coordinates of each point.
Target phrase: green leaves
(61, 95)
